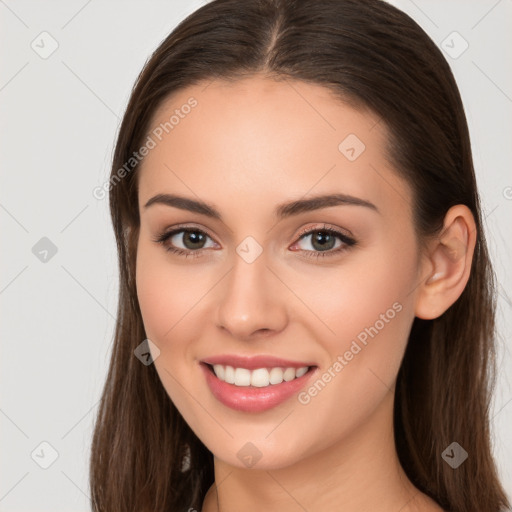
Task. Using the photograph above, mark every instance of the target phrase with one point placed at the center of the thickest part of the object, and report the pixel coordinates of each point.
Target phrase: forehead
(261, 139)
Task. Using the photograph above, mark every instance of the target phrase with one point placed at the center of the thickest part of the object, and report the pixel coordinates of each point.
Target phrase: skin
(247, 147)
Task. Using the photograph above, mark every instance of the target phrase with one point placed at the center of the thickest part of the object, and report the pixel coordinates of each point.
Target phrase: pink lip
(253, 399)
(254, 362)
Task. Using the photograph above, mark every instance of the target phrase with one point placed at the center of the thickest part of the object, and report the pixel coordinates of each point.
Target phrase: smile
(257, 389)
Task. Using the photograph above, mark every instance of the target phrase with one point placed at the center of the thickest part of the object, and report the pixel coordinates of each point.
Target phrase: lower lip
(253, 399)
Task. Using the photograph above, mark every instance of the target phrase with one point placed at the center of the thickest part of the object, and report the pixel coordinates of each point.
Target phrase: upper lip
(254, 362)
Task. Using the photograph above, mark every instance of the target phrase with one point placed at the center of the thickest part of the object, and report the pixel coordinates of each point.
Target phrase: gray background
(59, 117)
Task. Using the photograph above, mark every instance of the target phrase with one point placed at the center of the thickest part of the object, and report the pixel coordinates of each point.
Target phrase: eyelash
(347, 241)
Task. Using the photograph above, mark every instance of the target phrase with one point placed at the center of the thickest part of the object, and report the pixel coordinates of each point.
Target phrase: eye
(192, 240)
(325, 241)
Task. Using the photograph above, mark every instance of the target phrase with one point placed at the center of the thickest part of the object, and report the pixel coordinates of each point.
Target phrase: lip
(254, 399)
(254, 362)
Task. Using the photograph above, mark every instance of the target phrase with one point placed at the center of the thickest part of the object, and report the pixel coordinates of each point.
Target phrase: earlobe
(449, 264)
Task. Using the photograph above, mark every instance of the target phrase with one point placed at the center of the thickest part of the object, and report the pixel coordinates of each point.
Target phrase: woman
(306, 307)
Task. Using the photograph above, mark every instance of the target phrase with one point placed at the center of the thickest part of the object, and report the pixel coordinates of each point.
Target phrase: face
(326, 286)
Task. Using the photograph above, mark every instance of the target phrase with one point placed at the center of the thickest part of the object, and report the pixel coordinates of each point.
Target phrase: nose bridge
(250, 299)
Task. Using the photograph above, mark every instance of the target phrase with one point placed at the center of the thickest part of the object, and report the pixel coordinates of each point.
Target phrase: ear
(447, 264)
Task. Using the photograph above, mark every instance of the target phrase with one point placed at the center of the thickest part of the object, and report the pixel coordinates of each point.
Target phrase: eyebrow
(282, 211)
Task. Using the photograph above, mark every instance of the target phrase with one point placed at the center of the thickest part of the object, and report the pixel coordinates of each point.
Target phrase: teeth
(301, 371)
(259, 378)
(221, 373)
(242, 377)
(289, 374)
(276, 376)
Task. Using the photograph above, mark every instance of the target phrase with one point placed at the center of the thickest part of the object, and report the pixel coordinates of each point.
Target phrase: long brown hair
(375, 56)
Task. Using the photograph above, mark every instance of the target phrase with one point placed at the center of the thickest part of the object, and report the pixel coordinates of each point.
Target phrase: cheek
(369, 310)
(169, 297)
(154, 290)
(369, 289)
(361, 315)
(166, 293)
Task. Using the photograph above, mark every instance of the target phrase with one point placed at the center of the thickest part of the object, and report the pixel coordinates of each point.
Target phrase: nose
(252, 300)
